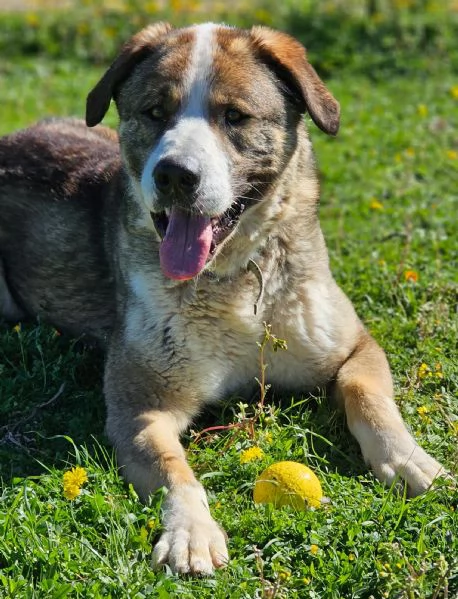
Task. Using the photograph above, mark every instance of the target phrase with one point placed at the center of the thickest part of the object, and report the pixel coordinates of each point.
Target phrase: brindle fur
(78, 248)
(54, 182)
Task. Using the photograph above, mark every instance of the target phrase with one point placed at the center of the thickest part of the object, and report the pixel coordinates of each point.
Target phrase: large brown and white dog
(150, 247)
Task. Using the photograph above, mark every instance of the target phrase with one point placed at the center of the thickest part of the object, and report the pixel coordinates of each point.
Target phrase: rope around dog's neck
(258, 274)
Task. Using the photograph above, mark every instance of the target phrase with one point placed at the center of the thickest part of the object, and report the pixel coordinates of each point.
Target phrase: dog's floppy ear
(98, 100)
(287, 57)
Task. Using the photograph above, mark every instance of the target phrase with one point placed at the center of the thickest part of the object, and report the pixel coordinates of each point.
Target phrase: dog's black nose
(172, 178)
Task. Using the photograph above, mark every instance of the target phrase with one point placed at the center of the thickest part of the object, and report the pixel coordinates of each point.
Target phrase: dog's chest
(211, 336)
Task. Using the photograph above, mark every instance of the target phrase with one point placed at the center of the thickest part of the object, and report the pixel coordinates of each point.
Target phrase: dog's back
(54, 180)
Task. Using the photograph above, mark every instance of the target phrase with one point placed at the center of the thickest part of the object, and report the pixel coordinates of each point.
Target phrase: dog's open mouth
(189, 240)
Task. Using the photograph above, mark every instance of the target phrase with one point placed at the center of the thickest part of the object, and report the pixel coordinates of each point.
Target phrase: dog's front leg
(145, 430)
(365, 388)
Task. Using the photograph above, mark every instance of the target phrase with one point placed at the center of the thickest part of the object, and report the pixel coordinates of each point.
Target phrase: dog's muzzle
(189, 236)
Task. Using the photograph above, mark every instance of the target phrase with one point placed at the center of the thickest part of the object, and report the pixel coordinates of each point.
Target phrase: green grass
(396, 147)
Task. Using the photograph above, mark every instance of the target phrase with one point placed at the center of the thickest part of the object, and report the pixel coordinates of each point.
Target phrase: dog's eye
(234, 116)
(157, 113)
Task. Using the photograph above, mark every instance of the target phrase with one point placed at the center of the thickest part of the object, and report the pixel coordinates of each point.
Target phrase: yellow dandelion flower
(423, 371)
(284, 575)
(375, 204)
(71, 491)
(423, 411)
(74, 479)
(251, 455)
(151, 6)
(382, 262)
(306, 580)
(32, 19)
(314, 549)
(452, 154)
(193, 6)
(422, 110)
(398, 157)
(184, 6)
(454, 91)
(263, 16)
(351, 557)
(17, 328)
(411, 275)
(77, 475)
(410, 152)
(83, 28)
(377, 17)
(438, 371)
(110, 32)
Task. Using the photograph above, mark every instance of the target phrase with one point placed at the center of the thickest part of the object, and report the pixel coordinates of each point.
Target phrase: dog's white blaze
(197, 78)
(192, 142)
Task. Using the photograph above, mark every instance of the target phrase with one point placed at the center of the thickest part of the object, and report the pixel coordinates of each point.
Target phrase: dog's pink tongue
(186, 245)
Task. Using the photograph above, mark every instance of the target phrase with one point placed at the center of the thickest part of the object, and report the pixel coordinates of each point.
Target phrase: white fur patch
(197, 80)
(192, 142)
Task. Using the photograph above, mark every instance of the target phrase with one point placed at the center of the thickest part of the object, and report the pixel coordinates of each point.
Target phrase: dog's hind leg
(8, 306)
(364, 387)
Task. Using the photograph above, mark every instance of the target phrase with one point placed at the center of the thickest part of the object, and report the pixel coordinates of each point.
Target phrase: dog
(174, 245)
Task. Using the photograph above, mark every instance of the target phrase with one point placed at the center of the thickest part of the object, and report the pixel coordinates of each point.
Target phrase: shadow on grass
(50, 388)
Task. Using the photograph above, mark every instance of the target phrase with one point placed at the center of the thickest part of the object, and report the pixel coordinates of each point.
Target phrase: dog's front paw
(395, 455)
(414, 465)
(192, 541)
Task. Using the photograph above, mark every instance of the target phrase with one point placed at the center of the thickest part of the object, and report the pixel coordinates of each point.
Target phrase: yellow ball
(288, 483)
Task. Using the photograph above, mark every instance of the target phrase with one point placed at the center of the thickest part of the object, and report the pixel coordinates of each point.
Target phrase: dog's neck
(284, 222)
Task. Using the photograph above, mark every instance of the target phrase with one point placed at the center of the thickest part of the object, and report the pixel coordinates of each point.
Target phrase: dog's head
(209, 119)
